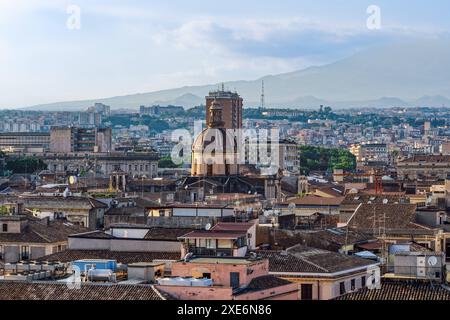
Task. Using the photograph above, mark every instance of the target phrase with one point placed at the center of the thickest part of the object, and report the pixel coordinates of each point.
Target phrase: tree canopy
(25, 164)
(325, 159)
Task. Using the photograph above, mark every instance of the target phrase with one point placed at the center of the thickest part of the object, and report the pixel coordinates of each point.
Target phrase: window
(353, 285)
(342, 288)
(224, 244)
(363, 282)
(25, 252)
(211, 243)
(306, 291)
(234, 280)
(5, 227)
(209, 169)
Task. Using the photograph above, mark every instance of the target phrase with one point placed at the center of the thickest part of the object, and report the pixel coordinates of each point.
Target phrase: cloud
(287, 38)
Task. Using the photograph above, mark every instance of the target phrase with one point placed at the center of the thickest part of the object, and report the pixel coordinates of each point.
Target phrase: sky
(58, 50)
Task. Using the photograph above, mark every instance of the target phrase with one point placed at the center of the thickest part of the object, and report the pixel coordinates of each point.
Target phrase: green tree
(25, 164)
(167, 163)
(324, 159)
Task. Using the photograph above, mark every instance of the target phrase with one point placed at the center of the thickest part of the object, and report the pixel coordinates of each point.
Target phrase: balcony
(211, 252)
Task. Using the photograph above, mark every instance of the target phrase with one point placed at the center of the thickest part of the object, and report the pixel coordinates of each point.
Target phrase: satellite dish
(73, 179)
(385, 201)
(291, 206)
(208, 226)
(432, 261)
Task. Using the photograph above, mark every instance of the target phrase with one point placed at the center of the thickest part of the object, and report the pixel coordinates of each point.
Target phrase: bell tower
(215, 119)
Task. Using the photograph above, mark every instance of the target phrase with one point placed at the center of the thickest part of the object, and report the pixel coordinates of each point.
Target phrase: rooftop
(315, 201)
(302, 259)
(214, 260)
(213, 234)
(329, 239)
(401, 290)
(427, 158)
(358, 198)
(13, 290)
(38, 231)
(388, 218)
(263, 283)
(124, 257)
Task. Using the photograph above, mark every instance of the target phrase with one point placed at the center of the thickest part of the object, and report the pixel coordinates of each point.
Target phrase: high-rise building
(101, 108)
(89, 119)
(231, 107)
(71, 139)
(224, 112)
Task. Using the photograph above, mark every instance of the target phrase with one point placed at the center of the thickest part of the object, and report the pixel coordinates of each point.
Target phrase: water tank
(182, 282)
(100, 275)
(164, 281)
(87, 264)
(201, 282)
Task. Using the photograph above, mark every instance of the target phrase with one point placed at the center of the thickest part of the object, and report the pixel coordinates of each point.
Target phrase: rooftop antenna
(262, 95)
(223, 87)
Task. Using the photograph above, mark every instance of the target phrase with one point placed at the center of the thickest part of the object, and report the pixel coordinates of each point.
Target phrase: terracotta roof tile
(301, 259)
(401, 290)
(121, 257)
(14, 290)
(38, 231)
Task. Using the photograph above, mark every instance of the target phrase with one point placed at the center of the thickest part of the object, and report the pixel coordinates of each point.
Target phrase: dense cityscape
(136, 166)
(356, 208)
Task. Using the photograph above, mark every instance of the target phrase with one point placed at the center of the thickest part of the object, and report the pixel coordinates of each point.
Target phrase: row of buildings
(111, 225)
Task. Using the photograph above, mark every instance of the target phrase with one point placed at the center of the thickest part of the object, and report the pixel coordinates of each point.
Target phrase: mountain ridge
(413, 74)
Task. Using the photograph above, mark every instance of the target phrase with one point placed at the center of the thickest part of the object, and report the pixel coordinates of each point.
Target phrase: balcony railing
(211, 252)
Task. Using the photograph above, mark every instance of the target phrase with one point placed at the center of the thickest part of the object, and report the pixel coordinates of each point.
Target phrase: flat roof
(213, 234)
(145, 264)
(221, 260)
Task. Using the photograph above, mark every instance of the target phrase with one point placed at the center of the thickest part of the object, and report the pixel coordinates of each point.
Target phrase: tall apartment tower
(71, 139)
(231, 107)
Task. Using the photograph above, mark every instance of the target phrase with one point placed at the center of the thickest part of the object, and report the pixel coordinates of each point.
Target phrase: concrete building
(228, 279)
(231, 104)
(424, 167)
(89, 119)
(159, 110)
(321, 274)
(28, 142)
(370, 152)
(133, 164)
(283, 154)
(24, 238)
(101, 108)
(86, 212)
(130, 238)
(419, 265)
(71, 139)
(222, 240)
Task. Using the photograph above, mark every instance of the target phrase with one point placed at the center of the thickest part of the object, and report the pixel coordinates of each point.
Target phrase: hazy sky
(132, 46)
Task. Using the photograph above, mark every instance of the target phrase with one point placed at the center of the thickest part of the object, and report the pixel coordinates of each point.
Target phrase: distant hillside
(395, 75)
